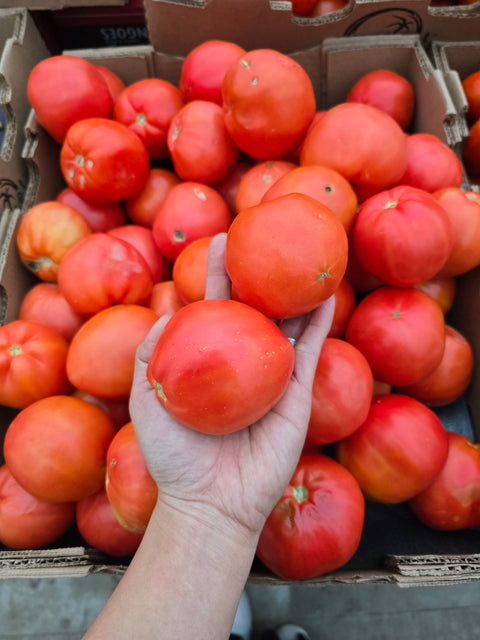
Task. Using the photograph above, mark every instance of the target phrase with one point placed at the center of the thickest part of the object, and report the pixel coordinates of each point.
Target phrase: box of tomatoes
(394, 544)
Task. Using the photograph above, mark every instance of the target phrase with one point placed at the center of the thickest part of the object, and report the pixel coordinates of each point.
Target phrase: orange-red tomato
(142, 208)
(471, 88)
(471, 151)
(116, 409)
(99, 217)
(190, 270)
(164, 298)
(442, 290)
(228, 187)
(345, 303)
(258, 180)
(114, 83)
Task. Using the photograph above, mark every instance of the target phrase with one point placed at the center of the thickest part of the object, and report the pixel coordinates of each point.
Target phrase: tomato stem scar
(391, 204)
(160, 391)
(323, 275)
(79, 159)
(141, 119)
(300, 493)
(15, 350)
(178, 236)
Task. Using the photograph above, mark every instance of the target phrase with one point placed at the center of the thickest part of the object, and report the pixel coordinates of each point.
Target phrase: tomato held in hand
(211, 357)
(317, 524)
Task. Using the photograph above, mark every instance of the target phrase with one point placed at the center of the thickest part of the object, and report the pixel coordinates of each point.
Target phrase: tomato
(342, 392)
(142, 208)
(282, 264)
(471, 151)
(45, 233)
(56, 448)
(63, 89)
(190, 270)
(204, 68)
(103, 161)
(228, 187)
(191, 210)
(323, 184)
(398, 451)
(317, 524)
(402, 235)
(103, 270)
(471, 88)
(130, 488)
(451, 502)
(99, 217)
(147, 108)
(303, 7)
(25, 521)
(269, 103)
(442, 290)
(463, 210)
(345, 303)
(114, 335)
(45, 303)
(99, 527)
(450, 378)
(388, 91)
(361, 280)
(350, 138)
(114, 83)
(327, 6)
(164, 298)
(116, 409)
(32, 363)
(431, 164)
(211, 356)
(258, 180)
(401, 332)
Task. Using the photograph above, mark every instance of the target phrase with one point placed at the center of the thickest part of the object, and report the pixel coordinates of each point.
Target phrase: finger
(144, 350)
(218, 284)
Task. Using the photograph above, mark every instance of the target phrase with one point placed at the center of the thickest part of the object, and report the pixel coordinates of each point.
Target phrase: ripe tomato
(361, 280)
(451, 502)
(116, 409)
(450, 378)
(131, 490)
(56, 448)
(401, 332)
(32, 363)
(471, 151)
(327, 6)
(228, 187)
(103, 270)
(398, 451)
(142, 208)
(46, 232)
(442, 290)
(350, 138)
(402, 235)
(114, 83)
(99, 527)
(269, 103)
(211, 356)
(204, 68)
(99, 217)
(303, 7)
(190, 210)
(471, 88)
(63, 89)
(286, 256)
(388, 91)
(147, 108)
(317, 524)
(25, 521)
(258, 180)
(103, 161)
(342, 392)
(115, 333)
(190, 270)
(164, 298)
(345, 303)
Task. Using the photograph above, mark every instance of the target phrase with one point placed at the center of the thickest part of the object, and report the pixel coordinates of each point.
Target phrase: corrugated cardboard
(57, 4)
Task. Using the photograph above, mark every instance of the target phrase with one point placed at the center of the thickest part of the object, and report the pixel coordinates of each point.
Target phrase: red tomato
(99, 527)
(103, 161)
(46, 232)
(471, 151)
(142, 208)
(116, 410)
(345, 303)
(147, 108)
(450, 378)
(211, 356)
(114, 83)
(361, 280)
(164, 298)
(388, 91)
(25, 521)
(317, 524)
(258, 180)
(350, 138)
(190, 270)
(191, 210)
(115, 333)
(303, 7)
(451, 502)
(56, 448)
(63, 89)
(471, 88)
(401, 332)
(228, 187)
(101, 271)
(130, 488)
(398, 451)
(99, 217)
(45, 303)
(32, 363)
(402, 235)
(282, 264)
(269, 103)
(442, 290)
(327, 6)
(204, 68)
(342, 392)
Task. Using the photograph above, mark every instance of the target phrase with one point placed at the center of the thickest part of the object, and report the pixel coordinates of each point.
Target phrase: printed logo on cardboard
(388, 21)
(10, 195)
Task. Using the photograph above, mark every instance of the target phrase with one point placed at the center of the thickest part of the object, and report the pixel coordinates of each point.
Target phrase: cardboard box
(57, 4)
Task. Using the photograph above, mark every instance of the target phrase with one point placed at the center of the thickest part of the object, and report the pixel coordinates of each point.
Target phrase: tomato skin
(317, 524)
(103, 161)
(258, 180)
(442, 289)
(116, 410)
(55, 448)
(345, 303)
(98, 217)
(398, 451)
(471, 88)
(401, 332)
(25, 521)
(211, 356)
(286, 256)
(228, 187)
(269, 103)
(164, 298)
(114, 83)
(142, 208)
(190, 270)
(451, 502)
(63, 89)
(32, 363)
(471, 151)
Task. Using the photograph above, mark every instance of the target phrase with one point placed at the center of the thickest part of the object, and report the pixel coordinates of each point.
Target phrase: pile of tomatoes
(346, 202)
